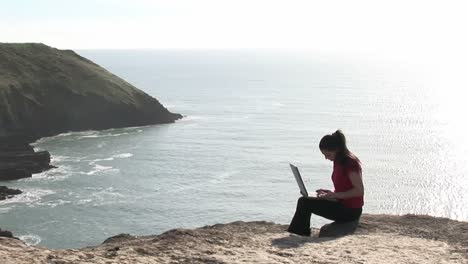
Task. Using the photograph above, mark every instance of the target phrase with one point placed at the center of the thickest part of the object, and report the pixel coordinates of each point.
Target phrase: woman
(344, 204)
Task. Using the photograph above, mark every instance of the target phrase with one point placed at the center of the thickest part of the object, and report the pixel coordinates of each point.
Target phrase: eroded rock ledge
(6, 192)
(19, 160)
(379, 239)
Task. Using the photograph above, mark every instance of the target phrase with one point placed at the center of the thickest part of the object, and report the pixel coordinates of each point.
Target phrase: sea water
(247, 115)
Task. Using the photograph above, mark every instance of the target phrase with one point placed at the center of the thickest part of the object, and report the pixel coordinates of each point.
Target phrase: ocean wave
(110, 191)
(70, 136)
(30, 239)
(138, 128)
(64, 134)
(37, 149)
(103, 135)
(54, 203)
(46, 139)
(192, 118)
(123, 155)
(115, 132)
(99, 168)
(59, 159)
(55, 174)
(83, 201)
(102, 197)
(116, 156)
(28, 196)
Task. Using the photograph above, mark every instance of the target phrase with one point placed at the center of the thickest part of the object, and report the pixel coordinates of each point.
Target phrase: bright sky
(327, 25)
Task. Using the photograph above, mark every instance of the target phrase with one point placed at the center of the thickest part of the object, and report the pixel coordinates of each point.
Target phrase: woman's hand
(327, 195)
(321, 192)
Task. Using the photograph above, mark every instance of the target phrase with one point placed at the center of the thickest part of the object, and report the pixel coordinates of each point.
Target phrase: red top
(342, 183)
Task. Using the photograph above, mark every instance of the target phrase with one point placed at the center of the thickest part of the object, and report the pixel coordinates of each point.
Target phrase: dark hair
(336, 142)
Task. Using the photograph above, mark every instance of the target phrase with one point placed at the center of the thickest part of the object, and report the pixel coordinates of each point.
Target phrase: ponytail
(336, 142)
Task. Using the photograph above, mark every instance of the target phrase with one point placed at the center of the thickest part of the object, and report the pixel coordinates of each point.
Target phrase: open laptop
(299, 181)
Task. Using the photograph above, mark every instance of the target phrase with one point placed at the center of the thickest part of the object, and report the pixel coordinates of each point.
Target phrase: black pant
(332, 210)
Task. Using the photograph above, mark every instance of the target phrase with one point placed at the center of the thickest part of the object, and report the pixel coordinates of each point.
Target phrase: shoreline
(378, 239)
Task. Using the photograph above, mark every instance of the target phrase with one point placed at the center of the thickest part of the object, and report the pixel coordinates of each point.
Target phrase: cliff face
(379, 239)
(45, 91)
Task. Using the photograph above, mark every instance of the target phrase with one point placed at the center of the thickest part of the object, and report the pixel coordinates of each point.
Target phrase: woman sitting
(344, 204)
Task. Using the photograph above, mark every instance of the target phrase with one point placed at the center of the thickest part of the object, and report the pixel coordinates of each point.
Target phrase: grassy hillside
(44, 91)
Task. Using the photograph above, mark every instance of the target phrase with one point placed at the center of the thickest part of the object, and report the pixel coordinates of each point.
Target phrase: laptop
(299, 181)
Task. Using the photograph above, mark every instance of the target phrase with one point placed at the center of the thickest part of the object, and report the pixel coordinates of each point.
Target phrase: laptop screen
(299, 181)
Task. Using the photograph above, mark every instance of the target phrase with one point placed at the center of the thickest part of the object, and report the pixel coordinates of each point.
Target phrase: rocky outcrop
(19, 160)
(7, 234)
(6, 192)
(378, 239)
(45, 91)
(337, 229)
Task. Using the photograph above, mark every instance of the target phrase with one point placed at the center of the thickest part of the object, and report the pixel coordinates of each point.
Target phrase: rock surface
(378, 239)
(19, 160)
(6, 192)
(336, 229)
(7, 234)
(45, 91)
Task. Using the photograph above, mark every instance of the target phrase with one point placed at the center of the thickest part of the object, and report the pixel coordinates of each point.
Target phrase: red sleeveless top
(342, 183)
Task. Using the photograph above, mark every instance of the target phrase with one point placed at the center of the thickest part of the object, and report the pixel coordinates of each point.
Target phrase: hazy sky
(328, 25)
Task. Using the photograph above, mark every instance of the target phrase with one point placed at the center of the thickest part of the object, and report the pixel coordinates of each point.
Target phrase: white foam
(192, 118)
(103, 135)
(31, 239)
(45, 139)
(123, 155)
(58, 159)
(105, 196)
(134, 127)
(118, 156)
(108, 133)
(97, 160)
(87, 132)
(83, 201)
(28, 196)
(108, 191)
(99, 168)
(55, 174)
(55, 203)
(37, 149)
(90, 136)
(64, 134)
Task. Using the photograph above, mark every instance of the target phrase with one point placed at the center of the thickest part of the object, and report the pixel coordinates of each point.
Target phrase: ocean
(247, 115)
